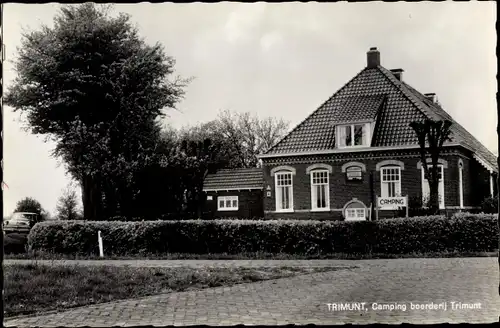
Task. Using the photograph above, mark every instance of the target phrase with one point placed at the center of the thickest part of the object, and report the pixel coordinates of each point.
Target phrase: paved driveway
(473, 282)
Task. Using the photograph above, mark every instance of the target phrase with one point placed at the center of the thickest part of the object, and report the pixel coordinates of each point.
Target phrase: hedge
(15, 242)
(464, 233)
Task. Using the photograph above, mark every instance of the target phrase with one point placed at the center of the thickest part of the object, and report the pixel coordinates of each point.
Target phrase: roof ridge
(314, 111)
(414, 97)
(402, 88)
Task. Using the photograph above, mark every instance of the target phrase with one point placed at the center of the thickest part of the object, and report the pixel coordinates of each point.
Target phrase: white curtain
(366, 134)
(341, 136)
(385, 189)
(279, 198)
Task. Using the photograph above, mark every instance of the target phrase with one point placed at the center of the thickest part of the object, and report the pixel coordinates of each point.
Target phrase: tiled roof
(358, 109)
(459, 133)
(232, 179)
(398, 105)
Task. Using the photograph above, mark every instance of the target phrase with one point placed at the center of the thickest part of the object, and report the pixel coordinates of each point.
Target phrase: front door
(426, 189)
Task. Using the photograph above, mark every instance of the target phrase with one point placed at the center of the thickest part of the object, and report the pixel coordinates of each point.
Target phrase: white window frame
(225, 199)
(460, 184)
(277, 175)
(351, 178)
(492, 190)
(382, 169)
(366, 136)
(442, 204)
(359, 214)
(314, 200)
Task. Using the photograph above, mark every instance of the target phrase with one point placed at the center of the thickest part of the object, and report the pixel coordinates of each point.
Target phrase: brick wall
(249, 204)
(343, 191)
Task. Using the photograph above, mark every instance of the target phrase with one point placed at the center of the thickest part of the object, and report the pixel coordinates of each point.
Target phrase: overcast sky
(282, 60)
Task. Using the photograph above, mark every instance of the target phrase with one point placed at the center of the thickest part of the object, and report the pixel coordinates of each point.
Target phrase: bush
(467, 233)
(490, 205)
(15, 243)
(167, 216)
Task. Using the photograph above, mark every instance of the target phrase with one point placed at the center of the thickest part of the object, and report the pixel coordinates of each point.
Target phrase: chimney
(430, 96)
(373, 58)
(398, 73)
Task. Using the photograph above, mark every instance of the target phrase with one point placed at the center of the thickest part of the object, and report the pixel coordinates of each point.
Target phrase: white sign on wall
(391, 203)
(210, 197)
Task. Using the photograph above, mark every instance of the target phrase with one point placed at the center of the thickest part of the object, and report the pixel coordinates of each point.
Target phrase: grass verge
(36, 288)
(246, 256)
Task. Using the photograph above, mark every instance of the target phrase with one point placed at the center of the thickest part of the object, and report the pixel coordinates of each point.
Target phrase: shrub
(167, 216)
(15, 243)
(466, 233)
(490, 205)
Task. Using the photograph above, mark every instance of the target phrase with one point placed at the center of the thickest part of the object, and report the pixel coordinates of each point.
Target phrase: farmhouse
(357, 153)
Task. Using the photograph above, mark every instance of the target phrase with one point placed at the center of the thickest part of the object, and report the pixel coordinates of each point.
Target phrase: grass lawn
(246, 256)
(36, 288)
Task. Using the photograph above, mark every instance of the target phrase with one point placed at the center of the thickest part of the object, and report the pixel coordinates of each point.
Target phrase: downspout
(372, 194)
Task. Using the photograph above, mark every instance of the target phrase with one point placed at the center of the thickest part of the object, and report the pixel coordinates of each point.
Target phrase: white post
(371, 208)
(99, 239)
(491, 184)
(407, 206)
(460, 187)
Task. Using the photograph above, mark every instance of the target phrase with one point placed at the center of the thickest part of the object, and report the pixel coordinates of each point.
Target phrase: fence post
(99, 240)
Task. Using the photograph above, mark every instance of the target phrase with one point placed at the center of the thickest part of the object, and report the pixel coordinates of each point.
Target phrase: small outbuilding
(234, 193)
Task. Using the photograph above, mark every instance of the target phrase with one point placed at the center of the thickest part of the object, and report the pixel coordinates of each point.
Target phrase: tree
(96, 89)
(67, 205)
(248, 135)
(31, 205)
(193, 157)
(431, 136)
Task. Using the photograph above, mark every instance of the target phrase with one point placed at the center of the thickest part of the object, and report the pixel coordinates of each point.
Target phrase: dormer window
(353, 135)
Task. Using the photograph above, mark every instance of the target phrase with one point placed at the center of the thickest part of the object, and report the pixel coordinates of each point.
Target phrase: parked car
(20, 222)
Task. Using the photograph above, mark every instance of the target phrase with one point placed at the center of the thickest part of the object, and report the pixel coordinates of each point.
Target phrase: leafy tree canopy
(29, 204)
(93, 86)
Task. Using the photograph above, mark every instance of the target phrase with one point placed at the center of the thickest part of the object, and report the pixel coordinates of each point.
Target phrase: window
(426, 188)
(355, 211)
(460, 183)
(354, 173)
(227, 203)
(390, 181)
(353, 135)
(320, 195)
(355, 214)
(284, 195)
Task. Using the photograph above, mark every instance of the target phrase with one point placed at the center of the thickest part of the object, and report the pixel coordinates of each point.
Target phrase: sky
(282, 60)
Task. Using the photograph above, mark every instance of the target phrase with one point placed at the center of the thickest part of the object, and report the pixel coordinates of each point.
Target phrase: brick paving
(303, 299)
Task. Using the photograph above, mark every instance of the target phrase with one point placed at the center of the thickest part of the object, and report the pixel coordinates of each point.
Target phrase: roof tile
(227, 179)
